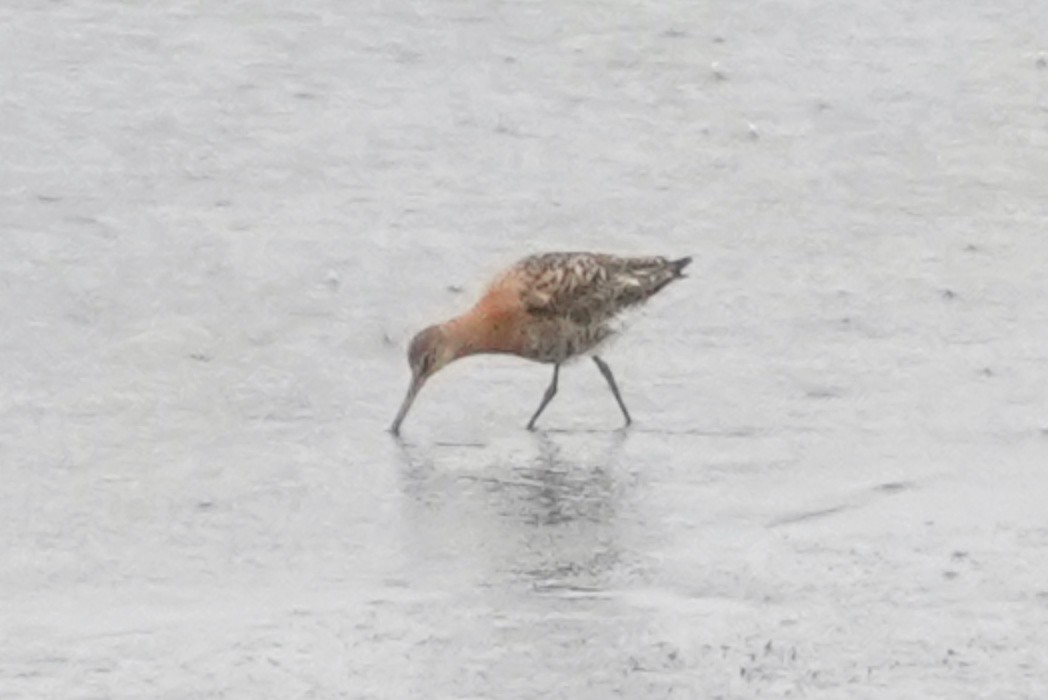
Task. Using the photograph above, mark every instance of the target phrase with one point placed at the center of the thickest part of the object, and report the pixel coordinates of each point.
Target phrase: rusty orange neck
(488, 327)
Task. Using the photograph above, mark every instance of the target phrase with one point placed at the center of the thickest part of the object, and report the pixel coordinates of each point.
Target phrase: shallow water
(221, 225)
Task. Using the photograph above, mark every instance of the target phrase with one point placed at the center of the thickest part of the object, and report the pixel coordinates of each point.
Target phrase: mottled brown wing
(589, 288)
(567, 285)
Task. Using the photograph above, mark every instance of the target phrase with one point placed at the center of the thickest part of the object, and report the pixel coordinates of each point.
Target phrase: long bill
(416, 383)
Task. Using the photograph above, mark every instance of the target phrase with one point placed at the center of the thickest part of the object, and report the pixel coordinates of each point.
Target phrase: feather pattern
(571, 297)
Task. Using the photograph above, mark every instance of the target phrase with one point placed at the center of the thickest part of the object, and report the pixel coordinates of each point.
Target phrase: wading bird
(548, 308)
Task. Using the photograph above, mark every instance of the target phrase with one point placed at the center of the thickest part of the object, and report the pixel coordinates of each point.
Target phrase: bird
(547, 307)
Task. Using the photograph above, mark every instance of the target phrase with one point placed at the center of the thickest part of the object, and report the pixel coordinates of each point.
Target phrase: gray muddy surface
(221, 223)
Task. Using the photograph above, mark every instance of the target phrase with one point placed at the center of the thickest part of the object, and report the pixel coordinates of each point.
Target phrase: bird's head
(428, 352)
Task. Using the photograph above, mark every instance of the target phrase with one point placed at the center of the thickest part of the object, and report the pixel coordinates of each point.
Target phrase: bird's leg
(606, 371)
(551, 391)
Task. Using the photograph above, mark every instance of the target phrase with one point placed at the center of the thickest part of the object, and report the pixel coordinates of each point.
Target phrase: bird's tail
(650, 275)
(671, 270)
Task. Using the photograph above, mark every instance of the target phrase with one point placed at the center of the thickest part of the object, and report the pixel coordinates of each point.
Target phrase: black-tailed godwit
(548, 308)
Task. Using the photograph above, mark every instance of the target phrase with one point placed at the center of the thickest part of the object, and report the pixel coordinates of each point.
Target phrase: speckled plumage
(571, 297)
(549, 308)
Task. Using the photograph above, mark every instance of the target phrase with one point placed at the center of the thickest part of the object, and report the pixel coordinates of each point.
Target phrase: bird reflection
(550, 518)
(562, 491)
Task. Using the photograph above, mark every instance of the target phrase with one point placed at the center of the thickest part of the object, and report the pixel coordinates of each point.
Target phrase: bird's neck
(467, 335)
(482, 329)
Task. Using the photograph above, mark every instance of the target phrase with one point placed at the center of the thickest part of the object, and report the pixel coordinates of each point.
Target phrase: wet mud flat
(221, 225)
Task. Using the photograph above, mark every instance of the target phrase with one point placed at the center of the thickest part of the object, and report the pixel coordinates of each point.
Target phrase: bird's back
(590, 288)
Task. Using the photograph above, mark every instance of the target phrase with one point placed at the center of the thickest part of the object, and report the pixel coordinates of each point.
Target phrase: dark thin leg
(606, 371)
(551, 391)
